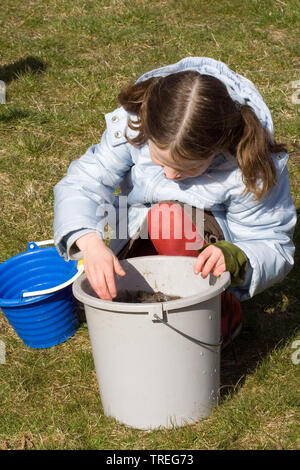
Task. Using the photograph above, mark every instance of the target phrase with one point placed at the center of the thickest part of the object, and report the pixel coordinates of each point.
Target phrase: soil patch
(141, 296)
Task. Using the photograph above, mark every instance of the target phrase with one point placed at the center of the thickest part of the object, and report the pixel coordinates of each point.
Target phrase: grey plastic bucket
(157, 364)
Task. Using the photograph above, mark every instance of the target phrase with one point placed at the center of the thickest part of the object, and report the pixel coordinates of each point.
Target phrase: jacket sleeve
(264, 231)
(90, 182)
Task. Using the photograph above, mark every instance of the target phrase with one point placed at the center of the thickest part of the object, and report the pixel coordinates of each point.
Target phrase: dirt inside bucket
(141, 296)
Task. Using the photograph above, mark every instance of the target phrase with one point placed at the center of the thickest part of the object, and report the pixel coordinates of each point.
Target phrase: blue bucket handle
(80, 269)
(34, 245)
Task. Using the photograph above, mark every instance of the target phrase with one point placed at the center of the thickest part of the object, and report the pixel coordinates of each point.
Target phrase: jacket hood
(240, 88)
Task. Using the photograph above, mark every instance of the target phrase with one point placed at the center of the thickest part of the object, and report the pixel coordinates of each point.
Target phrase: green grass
(63, 64)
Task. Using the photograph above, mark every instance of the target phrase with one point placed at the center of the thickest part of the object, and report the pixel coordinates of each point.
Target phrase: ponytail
(253, 154)
(134, 99)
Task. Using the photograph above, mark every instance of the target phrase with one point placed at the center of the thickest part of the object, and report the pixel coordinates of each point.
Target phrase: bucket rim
(22, 301)
(14, 258)
(126, 307)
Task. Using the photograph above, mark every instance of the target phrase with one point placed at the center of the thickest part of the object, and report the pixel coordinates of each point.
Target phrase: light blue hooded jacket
(263, 230)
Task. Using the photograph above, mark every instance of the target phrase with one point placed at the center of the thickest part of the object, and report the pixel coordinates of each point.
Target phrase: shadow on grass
(270, 318)
(11, 115)
(28, 65)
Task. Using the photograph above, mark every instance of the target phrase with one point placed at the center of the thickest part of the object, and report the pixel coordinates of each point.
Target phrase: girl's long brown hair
(194, 117)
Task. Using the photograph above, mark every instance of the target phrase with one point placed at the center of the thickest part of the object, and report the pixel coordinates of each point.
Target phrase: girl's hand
(100, 264)
(210, 260)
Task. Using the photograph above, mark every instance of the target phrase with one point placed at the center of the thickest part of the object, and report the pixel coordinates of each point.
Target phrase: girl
(197, 133)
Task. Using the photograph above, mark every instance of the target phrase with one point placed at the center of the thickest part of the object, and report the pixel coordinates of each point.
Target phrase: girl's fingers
(221, 268)
(118, 268)
(100, 265)
(103, 281)
(210, 260)
(111, 284)
(210, 265)
(201, 260)
(110, 278)
(98, 282)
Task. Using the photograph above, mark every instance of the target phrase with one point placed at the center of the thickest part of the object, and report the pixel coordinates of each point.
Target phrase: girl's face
(175, 171)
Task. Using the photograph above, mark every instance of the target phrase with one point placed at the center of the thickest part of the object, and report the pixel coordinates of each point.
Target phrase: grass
(63, 64)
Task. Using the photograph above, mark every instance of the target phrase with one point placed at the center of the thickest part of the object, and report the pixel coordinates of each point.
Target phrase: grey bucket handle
(197, 341)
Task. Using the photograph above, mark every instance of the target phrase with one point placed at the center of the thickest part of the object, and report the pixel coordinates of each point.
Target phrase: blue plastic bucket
(36, 295)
